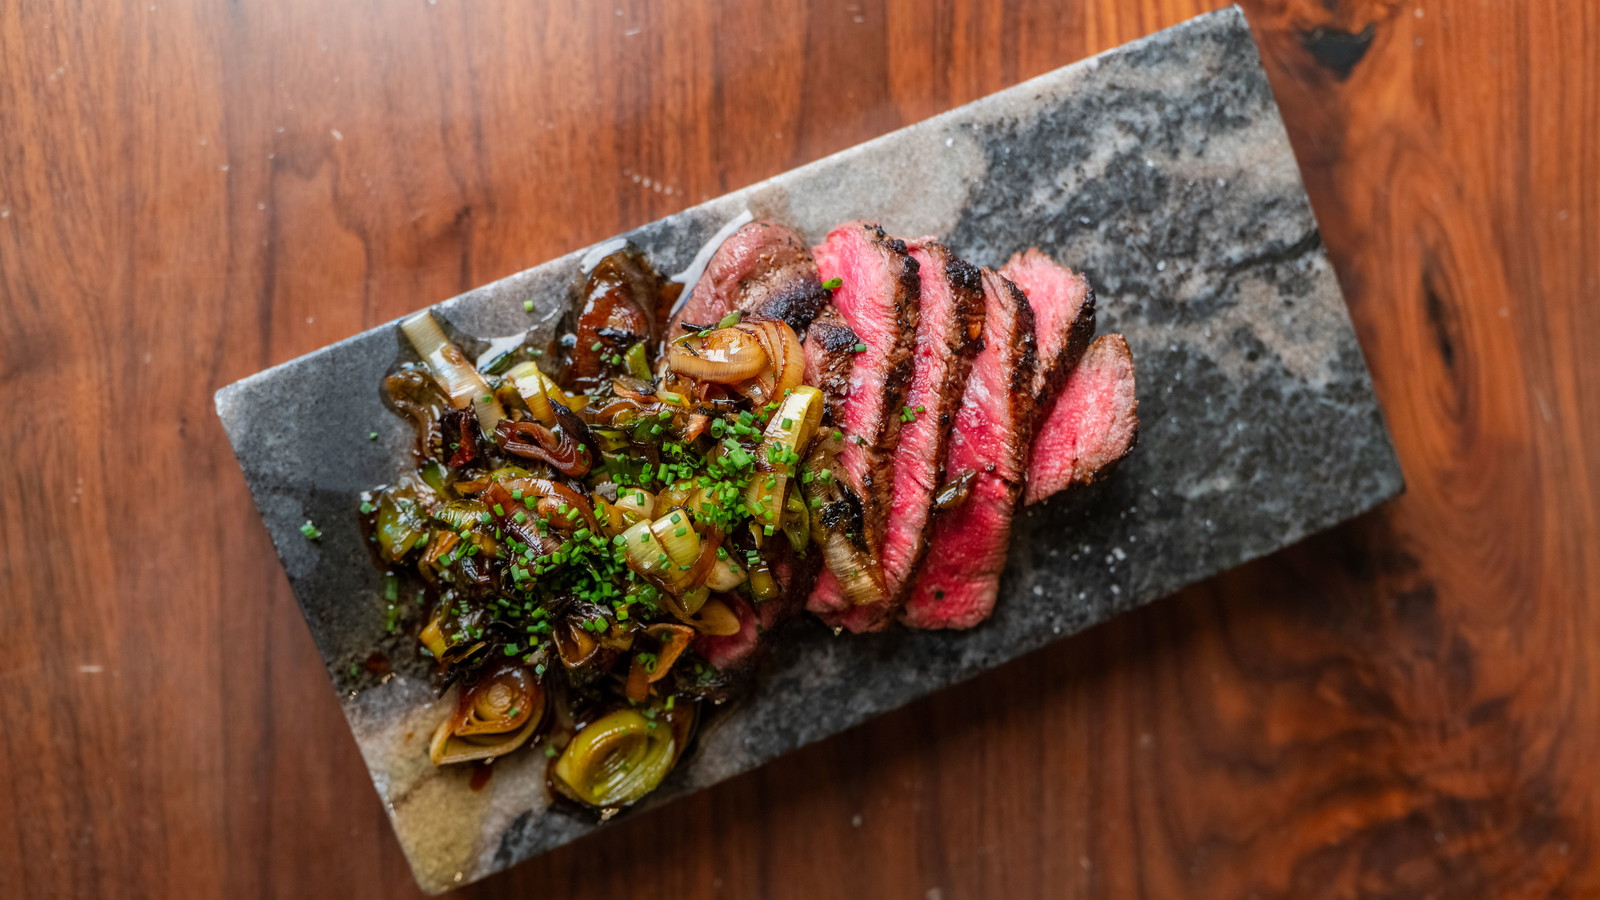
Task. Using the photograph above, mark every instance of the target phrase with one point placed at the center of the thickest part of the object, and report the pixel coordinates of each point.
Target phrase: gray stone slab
(1161, 168)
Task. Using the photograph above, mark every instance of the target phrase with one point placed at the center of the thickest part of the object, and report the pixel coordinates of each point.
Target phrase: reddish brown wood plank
(191, 190)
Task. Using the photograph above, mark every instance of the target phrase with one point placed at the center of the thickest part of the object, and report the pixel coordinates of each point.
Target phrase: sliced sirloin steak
(948, 336)
(763, 268)
(878, 298)
(1063, 316)
(830, 354)
(1093, 424)
(960, 577)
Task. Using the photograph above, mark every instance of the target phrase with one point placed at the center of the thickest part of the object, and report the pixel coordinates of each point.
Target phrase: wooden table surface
(193, 190)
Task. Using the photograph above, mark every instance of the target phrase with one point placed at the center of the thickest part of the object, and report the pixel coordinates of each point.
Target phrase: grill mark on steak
(764, 268)
(958, 582)
(1063, 304)
(948, 336)
(830, 353)
(1093, 424)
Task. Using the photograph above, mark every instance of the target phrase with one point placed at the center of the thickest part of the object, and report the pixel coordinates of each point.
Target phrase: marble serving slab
(1161, 168)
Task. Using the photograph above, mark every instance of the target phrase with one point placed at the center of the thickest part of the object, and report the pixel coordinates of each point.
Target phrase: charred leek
(492, 718)
(783, 445)
(459, 380)
(617, 759)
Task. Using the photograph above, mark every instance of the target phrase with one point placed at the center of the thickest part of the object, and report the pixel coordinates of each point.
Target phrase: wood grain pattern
(191, 190)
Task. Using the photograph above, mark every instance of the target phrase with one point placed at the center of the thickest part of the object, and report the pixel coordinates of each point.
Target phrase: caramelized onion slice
(492, 718)
(954, 492)
(558, 448)
(720, 356)
(725, 575)
(686, 605)
(574, 643)
(763, 587)
(549, 498)
(716, 618)
(620, 298)
(787, 361)
(662, 644)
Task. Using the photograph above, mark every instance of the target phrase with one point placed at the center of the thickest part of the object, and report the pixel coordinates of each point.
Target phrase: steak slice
(958, 582)
(1092, 425)
(948, 332)
(878, 299)
(763, 268)
(1063, 315)
(830, 354)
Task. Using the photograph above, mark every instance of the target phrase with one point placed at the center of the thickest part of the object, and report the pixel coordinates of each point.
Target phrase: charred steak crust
(1022, 377)
(794, 300)
(765, 269)
(966, 279)
(830, 352)
(1063, 303)
(1054, 374)
(957, 585)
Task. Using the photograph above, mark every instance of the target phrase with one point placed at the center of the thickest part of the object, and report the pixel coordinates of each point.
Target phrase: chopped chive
(527, 306)
(831, 284)
(860, 348)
